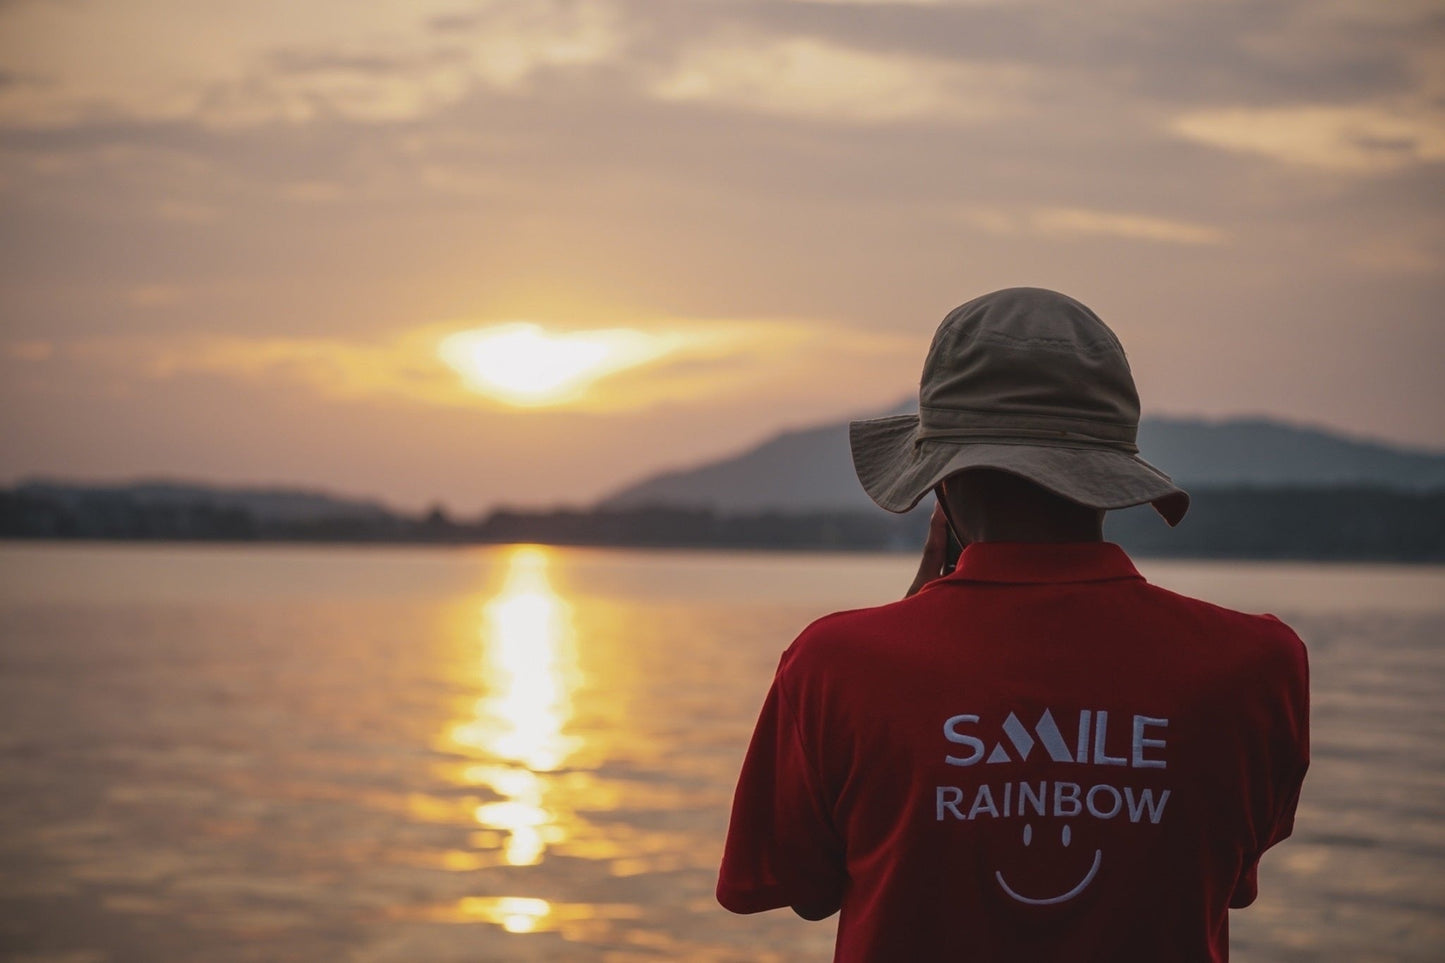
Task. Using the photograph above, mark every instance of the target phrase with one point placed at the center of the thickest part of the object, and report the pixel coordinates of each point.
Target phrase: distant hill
(797, 471)
(812, 470)
(1263, 453)
(265, 504)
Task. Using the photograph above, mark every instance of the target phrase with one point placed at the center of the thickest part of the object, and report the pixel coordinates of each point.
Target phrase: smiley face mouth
(1082, 885)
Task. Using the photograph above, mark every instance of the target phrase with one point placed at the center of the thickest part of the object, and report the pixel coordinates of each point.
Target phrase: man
(1038, 755)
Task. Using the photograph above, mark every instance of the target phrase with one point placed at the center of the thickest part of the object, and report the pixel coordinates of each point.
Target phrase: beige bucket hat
(1028, 381)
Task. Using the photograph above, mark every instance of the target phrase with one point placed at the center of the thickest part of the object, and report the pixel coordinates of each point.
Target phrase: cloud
(1065, 222)
(1344, 139)
(342, 89)
(823, 80)
(502, 47)
(378, 63)
(693, 362)
(1068, 223)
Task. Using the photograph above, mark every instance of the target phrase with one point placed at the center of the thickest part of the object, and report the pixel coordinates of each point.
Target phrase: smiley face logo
(1066, 837)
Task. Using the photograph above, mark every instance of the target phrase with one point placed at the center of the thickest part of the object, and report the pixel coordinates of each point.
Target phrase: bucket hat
(1028, 381)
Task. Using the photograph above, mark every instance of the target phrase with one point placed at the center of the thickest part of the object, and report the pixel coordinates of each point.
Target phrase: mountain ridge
(811, 468)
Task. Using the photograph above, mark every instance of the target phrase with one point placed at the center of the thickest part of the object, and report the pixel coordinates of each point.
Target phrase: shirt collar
(1043, 562)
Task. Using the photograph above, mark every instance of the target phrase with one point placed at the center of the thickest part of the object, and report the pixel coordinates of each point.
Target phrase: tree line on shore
(1273, 523)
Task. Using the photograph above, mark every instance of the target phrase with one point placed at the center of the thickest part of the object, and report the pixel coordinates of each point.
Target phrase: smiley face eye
(1028, 833)
(1068, 834)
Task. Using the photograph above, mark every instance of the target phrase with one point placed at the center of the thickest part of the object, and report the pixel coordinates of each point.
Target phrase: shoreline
(682, 548)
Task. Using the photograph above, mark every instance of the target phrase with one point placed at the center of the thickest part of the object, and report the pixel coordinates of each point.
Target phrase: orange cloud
(1066, 223)
(292, 63)
(635, 368)
(822, 80)
(1347, 139)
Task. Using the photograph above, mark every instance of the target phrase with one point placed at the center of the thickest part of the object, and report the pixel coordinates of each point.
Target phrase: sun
(522, 364)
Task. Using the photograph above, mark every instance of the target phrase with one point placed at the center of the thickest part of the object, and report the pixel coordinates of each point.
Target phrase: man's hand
(935, 552)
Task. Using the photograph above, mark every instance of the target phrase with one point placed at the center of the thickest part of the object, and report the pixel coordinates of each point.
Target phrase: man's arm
(782, 847)
(1290, 754)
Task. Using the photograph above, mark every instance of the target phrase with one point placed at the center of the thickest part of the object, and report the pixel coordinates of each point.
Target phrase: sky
(523, 252)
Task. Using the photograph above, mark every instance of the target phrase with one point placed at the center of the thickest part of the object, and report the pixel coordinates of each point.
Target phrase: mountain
(812, 470)
(807, 470)
(1261, 453)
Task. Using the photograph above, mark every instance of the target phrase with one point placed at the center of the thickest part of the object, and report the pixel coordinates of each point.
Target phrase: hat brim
(897, 472)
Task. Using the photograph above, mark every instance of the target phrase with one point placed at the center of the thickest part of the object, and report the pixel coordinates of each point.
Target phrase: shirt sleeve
(782, 848)
(1293, 754)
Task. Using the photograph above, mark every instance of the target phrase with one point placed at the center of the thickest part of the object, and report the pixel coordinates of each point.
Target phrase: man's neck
(1014, 513)
(1038, 530)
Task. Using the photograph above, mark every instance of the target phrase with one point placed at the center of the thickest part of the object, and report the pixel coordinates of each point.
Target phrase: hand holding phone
(940, 551)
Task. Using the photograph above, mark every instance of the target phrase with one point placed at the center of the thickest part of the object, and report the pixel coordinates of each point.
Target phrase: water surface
(434, 754)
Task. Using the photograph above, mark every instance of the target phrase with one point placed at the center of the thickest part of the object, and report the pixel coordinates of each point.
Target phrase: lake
(431, 754)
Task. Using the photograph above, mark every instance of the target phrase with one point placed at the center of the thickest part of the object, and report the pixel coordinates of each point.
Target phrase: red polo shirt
(1040, 756)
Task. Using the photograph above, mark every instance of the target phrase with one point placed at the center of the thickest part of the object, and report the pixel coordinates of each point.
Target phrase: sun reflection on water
(517, 729)
(516, 914)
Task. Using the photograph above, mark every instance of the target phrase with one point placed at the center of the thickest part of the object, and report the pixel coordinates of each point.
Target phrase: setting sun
(522, 364)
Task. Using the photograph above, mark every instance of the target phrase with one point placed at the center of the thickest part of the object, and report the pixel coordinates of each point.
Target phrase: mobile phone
(954, 550)
(955, 547)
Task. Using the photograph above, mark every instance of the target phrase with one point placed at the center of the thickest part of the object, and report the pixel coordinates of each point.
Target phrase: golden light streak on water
(525, 914)
(516, 914)
(528, 669)
(528, 629)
